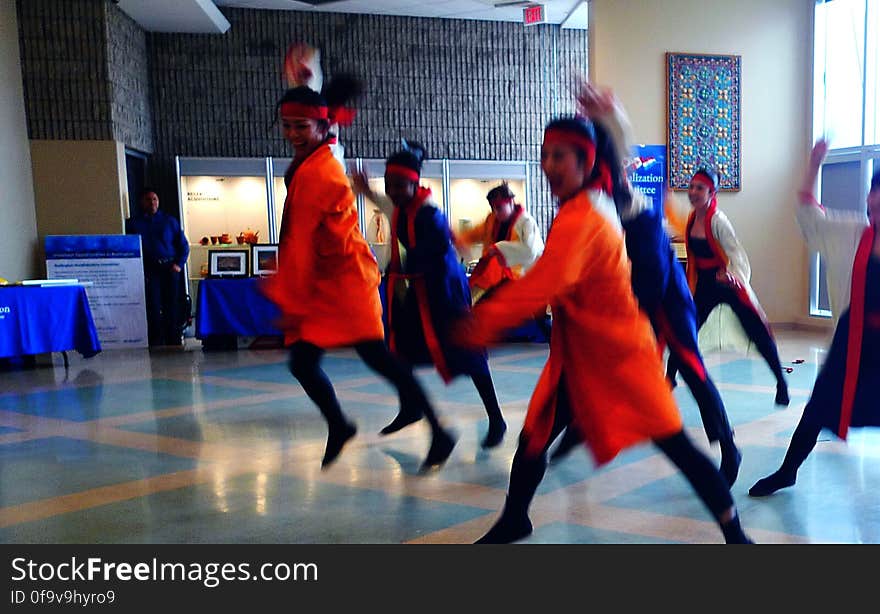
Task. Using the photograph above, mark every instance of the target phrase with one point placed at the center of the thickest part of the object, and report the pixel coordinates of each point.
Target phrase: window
(846, 110)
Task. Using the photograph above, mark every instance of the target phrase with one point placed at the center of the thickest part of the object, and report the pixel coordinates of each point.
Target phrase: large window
(846, 110)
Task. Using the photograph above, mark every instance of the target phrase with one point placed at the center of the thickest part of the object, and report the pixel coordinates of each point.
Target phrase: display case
(225, 203)
(224, 200)
(469, 181)
(376, 225)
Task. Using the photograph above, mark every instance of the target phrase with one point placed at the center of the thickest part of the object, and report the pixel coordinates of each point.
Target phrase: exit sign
(533, 14)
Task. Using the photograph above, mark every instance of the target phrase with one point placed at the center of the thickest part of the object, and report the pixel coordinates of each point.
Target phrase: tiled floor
(194, 447)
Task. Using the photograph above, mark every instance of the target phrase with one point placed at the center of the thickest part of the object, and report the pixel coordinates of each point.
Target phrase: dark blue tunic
(448, 295)
(825, 403)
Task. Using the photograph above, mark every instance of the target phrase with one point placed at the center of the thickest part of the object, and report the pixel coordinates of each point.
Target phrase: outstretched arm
(827, 231)
(360, 183)
(807, 194)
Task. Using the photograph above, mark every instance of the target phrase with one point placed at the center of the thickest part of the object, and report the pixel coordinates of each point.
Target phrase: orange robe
(327, 285)
(601, 342)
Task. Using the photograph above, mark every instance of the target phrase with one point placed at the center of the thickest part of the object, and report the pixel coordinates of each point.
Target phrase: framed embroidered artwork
(703, 117)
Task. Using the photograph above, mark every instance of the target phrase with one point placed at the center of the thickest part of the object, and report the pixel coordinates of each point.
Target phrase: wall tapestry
(703, 117)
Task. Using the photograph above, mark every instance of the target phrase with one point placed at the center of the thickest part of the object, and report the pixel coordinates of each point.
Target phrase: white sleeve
(738, 261)
(618, 127)
(530, 246)
(830, 230)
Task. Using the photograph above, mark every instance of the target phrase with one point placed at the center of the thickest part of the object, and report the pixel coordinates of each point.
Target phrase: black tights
(710, 294)
(526, 472)
(305, 366)
(712, 413)
(803, 440)
(486, 388)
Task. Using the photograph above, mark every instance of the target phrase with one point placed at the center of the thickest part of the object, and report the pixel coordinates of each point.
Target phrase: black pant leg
(305, 366)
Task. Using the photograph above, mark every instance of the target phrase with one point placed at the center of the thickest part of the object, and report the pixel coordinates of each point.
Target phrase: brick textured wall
(465, 89)
(64, 69)
(84, 68)
(129, 76)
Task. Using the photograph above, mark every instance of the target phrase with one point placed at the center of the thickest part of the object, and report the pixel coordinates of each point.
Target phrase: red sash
(856, 329)
(417, 280)
(720, 258)
(496, 225)
(686, 355)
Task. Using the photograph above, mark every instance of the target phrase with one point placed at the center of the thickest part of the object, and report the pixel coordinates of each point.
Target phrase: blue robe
(438, 288)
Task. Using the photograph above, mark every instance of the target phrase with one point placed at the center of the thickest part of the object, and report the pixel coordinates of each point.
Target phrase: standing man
(165, 249)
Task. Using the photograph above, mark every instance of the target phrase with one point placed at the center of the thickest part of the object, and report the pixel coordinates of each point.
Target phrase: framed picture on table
(228, 263)
(264, 259)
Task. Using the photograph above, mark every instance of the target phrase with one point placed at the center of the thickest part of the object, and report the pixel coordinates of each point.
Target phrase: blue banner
(92, 246)
(647, 172)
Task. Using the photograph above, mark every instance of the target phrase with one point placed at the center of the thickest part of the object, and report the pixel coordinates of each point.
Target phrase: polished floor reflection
(194, 447)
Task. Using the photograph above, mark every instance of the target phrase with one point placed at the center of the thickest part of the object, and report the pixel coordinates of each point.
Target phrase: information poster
(647, 172)
(111, 267)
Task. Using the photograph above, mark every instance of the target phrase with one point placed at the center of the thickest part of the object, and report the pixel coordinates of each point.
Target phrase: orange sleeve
(311, 230)
(477, 234)
(563, 264)
(676, 220)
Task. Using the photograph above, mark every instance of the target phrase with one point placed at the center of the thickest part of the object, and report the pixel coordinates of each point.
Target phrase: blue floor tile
(94, 402)
(43, 468)
(251, 509)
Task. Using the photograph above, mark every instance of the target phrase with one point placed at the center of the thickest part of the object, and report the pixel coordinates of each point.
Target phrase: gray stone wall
(129, 75)
(64, 69)
(85, 72)
(465, 89)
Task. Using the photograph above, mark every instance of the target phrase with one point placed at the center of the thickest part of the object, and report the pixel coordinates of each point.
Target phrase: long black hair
(606, 155)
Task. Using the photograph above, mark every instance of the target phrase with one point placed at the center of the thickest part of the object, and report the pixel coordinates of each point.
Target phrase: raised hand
(360, 182)
(593, 101)
(817, 155)
(806, 193)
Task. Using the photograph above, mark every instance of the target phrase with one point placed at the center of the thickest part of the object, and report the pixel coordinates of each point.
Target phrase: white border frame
(256, 248)
(242, 254)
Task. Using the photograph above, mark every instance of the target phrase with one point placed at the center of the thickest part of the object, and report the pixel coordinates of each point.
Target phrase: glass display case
(227, 200)
(469, 182)
(224, 203)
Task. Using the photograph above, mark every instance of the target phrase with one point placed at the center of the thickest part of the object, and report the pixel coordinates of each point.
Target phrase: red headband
(705, 180)
(555, 135)
(402, 171)
(298, 109)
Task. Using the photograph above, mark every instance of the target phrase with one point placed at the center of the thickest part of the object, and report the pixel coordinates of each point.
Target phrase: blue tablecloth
(38, 320)
(234, 307)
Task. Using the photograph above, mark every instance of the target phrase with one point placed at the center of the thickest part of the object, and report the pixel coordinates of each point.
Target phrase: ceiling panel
(204, 16)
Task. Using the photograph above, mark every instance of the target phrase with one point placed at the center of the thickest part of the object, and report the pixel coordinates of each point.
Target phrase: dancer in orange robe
(327, 284)
(600, 341)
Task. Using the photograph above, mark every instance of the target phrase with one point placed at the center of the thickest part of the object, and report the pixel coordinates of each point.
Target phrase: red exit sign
(533, 14)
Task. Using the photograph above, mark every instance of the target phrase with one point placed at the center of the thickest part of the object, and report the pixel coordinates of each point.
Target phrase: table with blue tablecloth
(45, 319)
(234, 307)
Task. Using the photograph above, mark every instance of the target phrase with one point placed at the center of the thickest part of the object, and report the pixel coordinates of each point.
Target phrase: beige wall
(79, 187)
(18, 248)
(629, 39)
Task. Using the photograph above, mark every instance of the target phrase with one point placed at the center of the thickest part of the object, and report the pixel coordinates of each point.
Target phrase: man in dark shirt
(165, 250)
